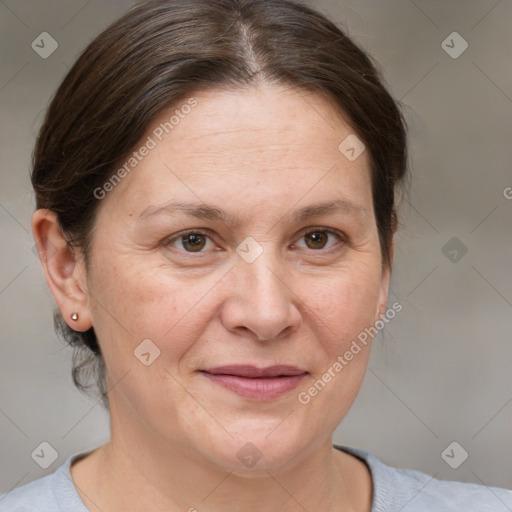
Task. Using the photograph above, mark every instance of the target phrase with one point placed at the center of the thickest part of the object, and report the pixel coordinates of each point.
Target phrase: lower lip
(264, 388)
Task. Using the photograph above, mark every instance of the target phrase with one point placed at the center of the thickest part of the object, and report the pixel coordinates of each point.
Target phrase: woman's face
(268, 277)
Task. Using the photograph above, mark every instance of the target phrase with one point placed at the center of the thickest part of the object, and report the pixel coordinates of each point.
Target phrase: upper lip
(255, 372)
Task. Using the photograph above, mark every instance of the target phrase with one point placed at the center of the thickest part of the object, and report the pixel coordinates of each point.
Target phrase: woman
(215, 185)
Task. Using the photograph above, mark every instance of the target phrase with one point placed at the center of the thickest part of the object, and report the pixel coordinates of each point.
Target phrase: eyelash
(341, 236)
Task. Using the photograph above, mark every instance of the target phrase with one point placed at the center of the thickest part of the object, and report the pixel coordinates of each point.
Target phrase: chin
(254, 452)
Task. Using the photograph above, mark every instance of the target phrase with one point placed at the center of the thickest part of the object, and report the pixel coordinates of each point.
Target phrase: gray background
(442, 372)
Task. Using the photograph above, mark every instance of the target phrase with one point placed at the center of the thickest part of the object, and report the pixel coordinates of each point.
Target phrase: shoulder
(36, 495)
(413, 491)
(54, 492)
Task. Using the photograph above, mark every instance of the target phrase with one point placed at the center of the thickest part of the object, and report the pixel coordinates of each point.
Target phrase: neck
(126, 475)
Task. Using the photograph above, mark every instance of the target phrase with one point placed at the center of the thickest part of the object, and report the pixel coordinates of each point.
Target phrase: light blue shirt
(394, 490)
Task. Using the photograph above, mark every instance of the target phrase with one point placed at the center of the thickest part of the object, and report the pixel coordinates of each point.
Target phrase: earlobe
(63, 269)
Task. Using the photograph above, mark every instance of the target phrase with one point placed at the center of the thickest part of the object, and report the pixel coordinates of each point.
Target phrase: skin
(259, 153)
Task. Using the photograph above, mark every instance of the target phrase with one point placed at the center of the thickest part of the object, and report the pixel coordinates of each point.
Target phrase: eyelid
(332, 231)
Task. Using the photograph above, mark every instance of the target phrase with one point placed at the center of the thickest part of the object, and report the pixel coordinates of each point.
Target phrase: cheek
(147, 305)
(345, 305)
(344, 314)
(134, 303)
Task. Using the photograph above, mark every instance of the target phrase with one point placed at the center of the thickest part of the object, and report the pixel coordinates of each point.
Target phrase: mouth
(262, 384)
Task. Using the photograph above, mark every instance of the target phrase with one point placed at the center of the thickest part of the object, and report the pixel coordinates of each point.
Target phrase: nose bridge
(264, 302)
(261, 273)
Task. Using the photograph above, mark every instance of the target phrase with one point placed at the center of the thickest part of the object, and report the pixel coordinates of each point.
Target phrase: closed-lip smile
(250, 381)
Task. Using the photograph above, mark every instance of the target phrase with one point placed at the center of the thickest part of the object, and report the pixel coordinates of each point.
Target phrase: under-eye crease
(181, 237)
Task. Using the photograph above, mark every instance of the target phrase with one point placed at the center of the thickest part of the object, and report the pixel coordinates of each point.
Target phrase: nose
(260, 300)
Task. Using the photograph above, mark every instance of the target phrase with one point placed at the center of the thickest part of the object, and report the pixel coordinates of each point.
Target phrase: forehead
(220, 146)
(266, 116)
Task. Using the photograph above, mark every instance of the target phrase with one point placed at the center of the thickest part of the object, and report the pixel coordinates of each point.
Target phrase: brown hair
(161, 52)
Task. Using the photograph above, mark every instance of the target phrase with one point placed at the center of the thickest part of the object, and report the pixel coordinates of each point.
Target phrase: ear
(63, 268)
(384, 283)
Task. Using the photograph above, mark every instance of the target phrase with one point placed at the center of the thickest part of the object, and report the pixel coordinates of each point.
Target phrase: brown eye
(318, 239)
(191, 242)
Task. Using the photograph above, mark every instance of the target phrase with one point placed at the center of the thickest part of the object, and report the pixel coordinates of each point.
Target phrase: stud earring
(74, 316)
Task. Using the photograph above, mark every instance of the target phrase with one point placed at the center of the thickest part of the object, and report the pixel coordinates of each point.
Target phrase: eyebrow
(210, 212)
